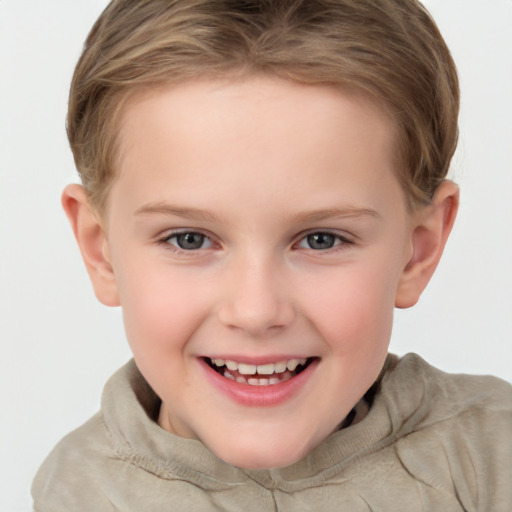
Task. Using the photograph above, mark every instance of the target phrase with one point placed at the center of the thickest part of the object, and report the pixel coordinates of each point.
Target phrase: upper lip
(244, 359)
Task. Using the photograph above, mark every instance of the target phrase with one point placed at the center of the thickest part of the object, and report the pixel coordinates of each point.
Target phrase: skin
(255, 166)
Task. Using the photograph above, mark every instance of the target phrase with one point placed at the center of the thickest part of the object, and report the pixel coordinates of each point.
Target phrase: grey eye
(321, 241)
(189, 241)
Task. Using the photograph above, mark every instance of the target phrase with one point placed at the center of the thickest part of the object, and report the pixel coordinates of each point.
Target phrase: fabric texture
(431, 441)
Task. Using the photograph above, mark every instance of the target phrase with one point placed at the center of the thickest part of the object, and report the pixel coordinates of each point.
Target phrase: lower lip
(259, 396)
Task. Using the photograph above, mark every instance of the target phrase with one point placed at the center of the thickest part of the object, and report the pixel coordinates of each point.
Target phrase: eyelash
(340, 242)
(175, 234)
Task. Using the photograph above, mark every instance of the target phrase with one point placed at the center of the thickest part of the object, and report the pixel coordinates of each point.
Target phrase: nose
(257, 300)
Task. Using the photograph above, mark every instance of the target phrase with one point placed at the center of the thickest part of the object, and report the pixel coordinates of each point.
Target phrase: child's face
(258, 222)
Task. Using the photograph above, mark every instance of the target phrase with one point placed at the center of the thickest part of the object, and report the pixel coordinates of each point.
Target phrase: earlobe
(91, 238)
(431, 228)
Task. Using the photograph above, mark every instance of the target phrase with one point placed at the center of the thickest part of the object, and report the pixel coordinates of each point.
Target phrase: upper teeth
(261, 369)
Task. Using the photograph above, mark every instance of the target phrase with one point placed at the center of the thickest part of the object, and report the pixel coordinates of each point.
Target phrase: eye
(189, 241)
(321, 241)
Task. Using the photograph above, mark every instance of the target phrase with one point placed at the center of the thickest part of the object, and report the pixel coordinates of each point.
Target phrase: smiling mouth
(259, 375)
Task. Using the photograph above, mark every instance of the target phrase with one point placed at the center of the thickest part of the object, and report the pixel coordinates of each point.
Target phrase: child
(263, 182)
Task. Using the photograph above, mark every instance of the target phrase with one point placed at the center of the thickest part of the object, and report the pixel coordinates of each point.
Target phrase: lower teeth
(254, 381)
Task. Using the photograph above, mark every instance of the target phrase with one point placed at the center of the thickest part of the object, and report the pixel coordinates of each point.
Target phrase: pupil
(190, 240)
(321, 241)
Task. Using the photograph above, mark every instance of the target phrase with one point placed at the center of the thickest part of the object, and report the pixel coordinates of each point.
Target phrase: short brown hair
(389, 50)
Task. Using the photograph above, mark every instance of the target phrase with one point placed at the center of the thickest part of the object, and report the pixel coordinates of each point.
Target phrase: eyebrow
(177, 211)
(191, 213)
(334, 213)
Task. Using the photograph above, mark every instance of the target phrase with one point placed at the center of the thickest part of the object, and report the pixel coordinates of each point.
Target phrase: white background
(58, 345)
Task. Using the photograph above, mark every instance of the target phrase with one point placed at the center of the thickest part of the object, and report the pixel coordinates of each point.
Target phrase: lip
(259, 396)
(257, 360)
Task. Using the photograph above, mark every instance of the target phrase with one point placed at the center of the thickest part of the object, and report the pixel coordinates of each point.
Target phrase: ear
(430, 229)
(92, 240)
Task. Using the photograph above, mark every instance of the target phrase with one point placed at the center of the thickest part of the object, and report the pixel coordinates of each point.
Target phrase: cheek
(161, 310)
(354, 310)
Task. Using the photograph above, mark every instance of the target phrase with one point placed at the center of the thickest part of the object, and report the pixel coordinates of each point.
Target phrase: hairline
(134, 92)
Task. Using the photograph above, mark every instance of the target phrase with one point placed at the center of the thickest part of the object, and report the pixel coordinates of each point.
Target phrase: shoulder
(448, 396)
(73, 474)
(461, 435)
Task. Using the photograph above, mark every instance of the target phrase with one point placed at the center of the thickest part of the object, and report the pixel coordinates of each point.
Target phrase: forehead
(286, 133)
(266, 100)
